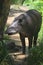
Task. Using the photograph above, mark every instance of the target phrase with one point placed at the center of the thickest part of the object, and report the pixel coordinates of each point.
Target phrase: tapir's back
(34, 13)
(36, 19)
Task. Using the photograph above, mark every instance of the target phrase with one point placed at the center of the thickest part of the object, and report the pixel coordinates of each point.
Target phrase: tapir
(27, 25)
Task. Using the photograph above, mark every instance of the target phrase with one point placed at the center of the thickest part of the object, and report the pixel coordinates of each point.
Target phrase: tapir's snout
(10, 31)
(13, 28)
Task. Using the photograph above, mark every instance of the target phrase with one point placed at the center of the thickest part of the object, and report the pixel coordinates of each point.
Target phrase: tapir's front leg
(23, 42)
(30, 41)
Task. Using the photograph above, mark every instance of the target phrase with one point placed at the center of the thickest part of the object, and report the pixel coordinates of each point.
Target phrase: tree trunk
(4, 10)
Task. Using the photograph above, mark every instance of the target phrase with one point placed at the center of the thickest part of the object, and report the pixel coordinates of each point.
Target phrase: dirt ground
(18, 57)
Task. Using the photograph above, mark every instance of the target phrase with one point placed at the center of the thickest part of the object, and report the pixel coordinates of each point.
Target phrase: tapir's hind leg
(30, 41)
(35, 39)
(23, 43)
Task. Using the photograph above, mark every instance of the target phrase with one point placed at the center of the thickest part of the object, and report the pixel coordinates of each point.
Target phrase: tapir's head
(18, 25)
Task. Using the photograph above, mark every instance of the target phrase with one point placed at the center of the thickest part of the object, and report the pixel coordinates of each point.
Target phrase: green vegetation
(5, 59)
(3, 51)
(17, 2)
(40, 36)
(36, 55)
(36, 4)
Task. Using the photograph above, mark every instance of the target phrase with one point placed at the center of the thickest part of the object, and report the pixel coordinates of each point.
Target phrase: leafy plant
(36, 55)
(36, 4)
(3, 51)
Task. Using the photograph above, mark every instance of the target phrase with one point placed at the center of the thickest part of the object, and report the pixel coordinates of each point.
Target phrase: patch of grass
(3, 51)
(40, 36)
(36, 55)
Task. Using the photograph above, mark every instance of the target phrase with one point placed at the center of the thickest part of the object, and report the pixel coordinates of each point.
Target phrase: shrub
(36, 55)
(3, 51)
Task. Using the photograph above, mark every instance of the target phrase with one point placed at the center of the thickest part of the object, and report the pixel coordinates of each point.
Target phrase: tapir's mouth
(10, 31)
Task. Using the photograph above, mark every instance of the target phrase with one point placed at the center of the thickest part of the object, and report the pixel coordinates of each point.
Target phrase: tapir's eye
(20, 20)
